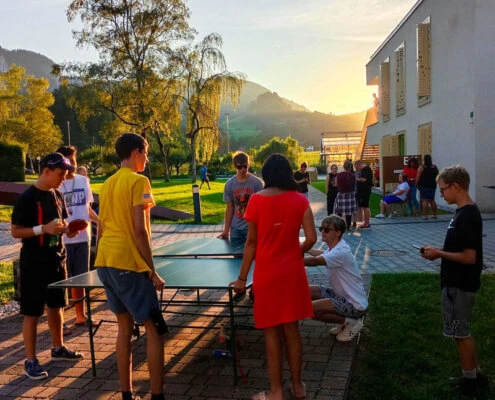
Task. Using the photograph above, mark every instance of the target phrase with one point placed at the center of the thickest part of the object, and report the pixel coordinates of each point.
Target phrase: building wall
(462, 81)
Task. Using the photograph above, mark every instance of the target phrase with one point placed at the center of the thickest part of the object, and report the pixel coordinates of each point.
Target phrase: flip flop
(86, 323)
(261, 396)
(298, 397)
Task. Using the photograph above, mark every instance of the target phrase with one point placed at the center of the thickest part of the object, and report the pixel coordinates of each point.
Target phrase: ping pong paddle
(77, 225)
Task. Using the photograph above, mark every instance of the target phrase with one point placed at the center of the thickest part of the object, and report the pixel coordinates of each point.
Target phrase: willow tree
(206, 84)
(134, 40)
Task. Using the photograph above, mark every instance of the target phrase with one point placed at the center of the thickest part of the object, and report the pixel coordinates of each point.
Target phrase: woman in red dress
(280, 284)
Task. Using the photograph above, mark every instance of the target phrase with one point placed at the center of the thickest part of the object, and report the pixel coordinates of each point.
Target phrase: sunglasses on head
(326, 230)
(241, 166)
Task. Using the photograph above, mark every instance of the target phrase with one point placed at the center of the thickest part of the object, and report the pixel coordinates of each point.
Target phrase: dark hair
(414, 161)
(348, 165)
(240, 158)
(336, 222)
(67, 151)
(304, 164)
(127, 143)
(427, 160)
(404, 177)
(276, 172)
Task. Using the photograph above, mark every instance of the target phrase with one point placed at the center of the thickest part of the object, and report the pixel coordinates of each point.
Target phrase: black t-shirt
(36, 207)
(365, 187)
(301, 187)
(464, 232)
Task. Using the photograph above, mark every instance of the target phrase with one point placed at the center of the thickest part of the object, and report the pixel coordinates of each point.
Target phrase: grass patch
(6, 282)
(6, 213)
(403, 354)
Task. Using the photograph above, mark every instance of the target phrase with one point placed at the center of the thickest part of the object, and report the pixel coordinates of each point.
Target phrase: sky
(312, 52)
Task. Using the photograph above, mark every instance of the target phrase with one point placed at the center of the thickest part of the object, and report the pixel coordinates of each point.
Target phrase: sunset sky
(312, 52)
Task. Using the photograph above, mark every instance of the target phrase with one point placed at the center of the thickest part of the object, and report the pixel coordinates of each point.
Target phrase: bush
(12, 162)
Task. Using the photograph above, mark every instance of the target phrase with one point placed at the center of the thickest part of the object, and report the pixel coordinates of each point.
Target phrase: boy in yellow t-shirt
(125, 264)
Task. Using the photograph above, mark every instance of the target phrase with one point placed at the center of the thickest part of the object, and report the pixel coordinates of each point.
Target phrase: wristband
(38, 230)
(239, 277)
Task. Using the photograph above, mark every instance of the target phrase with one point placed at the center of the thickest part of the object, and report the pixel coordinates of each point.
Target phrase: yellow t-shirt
(119, 194)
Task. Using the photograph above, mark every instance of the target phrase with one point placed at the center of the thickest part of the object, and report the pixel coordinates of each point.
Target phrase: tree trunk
(166, 175)
(193, 157)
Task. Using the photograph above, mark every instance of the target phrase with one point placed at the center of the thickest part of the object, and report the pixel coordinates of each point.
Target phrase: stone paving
(191, 370)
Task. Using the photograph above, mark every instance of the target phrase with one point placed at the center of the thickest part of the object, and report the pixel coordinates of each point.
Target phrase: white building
(436, 77)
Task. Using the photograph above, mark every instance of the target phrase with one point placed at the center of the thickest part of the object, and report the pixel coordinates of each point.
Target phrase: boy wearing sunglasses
(237, 193)
(344, 301)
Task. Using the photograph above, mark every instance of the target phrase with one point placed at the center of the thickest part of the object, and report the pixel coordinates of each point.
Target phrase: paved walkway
(191, 371)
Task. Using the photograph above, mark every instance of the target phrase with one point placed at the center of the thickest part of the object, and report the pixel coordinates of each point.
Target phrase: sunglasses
(326, 230)
(244, 166)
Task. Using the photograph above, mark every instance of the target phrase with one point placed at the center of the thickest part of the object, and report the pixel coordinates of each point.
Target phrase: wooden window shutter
(425, 138)
(385, 90)
(394, 145)
(384, 146)
(400, 82)
(424, 61)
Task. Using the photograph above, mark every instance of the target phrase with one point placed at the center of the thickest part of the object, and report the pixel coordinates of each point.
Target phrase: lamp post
(228, 132)
(68, 131)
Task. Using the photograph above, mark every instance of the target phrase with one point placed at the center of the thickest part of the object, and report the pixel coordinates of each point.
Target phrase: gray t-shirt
(239, 194)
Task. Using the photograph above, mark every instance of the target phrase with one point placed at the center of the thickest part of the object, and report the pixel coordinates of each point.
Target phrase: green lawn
(403, 354)
(6, 282)
(5, 213)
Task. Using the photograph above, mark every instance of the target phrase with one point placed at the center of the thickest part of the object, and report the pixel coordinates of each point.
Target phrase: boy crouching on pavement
(345, 301)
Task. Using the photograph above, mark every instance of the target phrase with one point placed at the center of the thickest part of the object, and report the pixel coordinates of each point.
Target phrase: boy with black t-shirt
(39, 220)
(462, 261)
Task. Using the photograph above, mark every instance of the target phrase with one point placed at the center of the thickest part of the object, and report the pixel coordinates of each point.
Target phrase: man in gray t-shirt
(237, 192)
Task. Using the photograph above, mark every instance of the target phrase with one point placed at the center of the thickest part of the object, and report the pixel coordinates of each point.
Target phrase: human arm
(327, 183)
(308, 224)
(466, 256)
(92, 215)
(247, 259)
(229, 213)
(55, 227)
(418, 175)
(315, 252)
(143, 242)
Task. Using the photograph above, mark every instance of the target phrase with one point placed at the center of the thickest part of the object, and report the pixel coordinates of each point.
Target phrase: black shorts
(35, 279)
(363, 199)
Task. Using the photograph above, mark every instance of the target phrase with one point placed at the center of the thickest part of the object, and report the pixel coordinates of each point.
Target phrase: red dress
(280, 285)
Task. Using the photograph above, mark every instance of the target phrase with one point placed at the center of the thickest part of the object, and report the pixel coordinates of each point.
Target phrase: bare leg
(293, 346)
(366, 215)
(29, 333)
(78, 294)
(273, 347)
(382, 207)
(424, 203)
(324, 311)
(123, 351)
(154, 354)
(55, 322)
(467, 353)
(434, 207)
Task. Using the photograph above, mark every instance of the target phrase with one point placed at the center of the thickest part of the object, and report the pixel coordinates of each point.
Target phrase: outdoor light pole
(228, 132)
(68, 131)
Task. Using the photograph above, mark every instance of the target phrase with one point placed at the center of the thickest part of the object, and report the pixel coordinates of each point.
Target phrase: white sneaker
(337, 329)
(351, 329)
(391, 215)
(380, 216)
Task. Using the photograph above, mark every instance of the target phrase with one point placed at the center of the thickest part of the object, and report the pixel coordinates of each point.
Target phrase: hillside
(261, 114)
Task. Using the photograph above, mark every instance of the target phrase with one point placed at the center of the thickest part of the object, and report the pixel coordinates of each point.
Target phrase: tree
(288, 146)
(206, 84)
(24, 111)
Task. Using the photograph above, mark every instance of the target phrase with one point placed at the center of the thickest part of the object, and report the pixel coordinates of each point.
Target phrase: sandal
(86, 323)
(261, 396)
(298, 397)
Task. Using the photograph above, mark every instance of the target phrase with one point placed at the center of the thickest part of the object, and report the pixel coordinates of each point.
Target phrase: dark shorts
(426, 193)
(457, 312)
(363, 199)
(206, 179)
(77, 258)
(34, 288)
(391, 199)
(131, 292)
(341, 304)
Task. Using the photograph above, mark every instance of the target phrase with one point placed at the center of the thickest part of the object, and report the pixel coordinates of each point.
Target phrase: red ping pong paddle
(77, 225)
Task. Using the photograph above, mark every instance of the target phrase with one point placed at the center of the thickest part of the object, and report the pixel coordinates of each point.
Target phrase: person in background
(331, 187)
(345, 203)
(460, 274)
(275, 216)
(237, 192)
(39, 219)
(302, 179)
(364, 184)
(204, 175)
(411, 170)
(344, 301)
(427, 184)
(398, 195)
(125, 263)
(78, 198)
(376, 172)
(82, 170)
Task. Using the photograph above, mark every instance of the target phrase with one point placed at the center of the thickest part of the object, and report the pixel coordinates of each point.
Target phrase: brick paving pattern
(191, 370)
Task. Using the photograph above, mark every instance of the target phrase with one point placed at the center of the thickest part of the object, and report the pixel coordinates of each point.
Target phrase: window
(400, 80)
(424, 139)
(401, 143)
(385, 90)
(424, 62)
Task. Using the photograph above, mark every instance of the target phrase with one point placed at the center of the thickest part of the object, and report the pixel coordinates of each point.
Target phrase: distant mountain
(36, 64)
(260, 115)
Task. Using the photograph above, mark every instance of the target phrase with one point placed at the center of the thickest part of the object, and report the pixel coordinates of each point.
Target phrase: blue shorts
(341, 304)
(77, 258)
(390, 199)
(129, 291)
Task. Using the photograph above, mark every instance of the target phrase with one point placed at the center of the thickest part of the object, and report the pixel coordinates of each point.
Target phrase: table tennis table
(201, 263)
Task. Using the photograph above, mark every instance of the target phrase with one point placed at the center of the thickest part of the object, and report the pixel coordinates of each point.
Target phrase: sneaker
(380, 216)
(63, 353)
(350, 330)
(33, 370)
(467, 388)
(337, 329)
